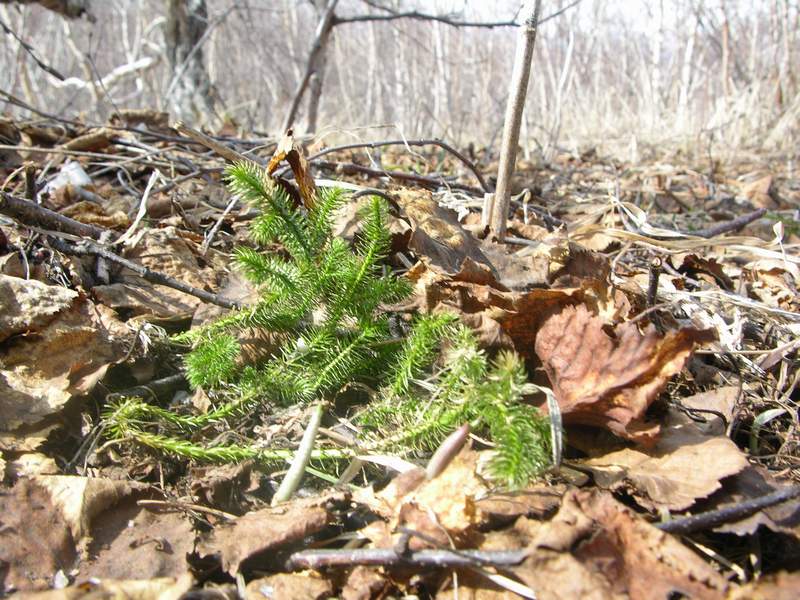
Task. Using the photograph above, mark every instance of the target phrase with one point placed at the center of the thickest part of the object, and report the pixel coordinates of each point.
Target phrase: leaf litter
(662, 369)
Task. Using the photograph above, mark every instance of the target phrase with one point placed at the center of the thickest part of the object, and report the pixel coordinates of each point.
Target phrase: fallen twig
(467, 163)
(435, 182)
(729, 514)
(88, 248)
(209, 142)
(388, 557)
(29, 213)
(729, 226)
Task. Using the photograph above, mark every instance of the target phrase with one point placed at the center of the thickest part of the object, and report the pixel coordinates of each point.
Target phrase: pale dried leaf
(81, 499)
(682, 467)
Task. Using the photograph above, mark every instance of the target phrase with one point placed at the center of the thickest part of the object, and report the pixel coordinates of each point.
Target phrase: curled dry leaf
(684, 465)
(81, 499)
(443, 508)
(292, 152)
(438, 238)
(599, 548)
(608, 382)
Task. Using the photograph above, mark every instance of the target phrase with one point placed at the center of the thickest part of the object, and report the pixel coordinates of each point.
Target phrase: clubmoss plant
(324, 299)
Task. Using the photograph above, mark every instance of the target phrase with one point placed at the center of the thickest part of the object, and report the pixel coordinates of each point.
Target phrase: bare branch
(29, 49)
(326, 24)
(447, 20)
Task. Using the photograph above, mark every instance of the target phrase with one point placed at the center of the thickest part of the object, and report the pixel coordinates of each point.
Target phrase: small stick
(388, 557)
(732, 225)
(29, 213)
(211, 234)
(142, 209)
(652, 283)
(447, 451)
(30, 182)
(88, 248)
(737, 512)
(448, 148)
(351, 169)
(221, 149)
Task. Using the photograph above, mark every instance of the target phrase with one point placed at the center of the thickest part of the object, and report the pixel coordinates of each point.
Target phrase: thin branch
(29, 213)
(29, 49)
(526, 40)
(435, 182)
(324, 27)
(729, 226)
(388, 557)
(424, 17)
(88, 248)
(729, 514)
(393, 16)
(444, 146)
(212, 144)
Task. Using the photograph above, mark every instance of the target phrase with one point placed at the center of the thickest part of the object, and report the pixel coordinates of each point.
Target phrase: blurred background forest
(629, 78)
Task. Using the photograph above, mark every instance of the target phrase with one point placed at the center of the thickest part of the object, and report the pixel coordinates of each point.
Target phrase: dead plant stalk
(498, 209)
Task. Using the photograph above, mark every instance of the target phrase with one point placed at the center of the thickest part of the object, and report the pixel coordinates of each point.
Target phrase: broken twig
(88, 248)
(729, 514)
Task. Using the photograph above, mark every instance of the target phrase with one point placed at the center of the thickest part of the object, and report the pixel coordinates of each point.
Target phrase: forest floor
(658, 301)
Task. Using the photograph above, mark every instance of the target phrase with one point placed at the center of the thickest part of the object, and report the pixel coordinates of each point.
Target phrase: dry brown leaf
(608, 382)
(266, 530)
(221, 486)
(167, 251)
(81, 499)
(138, 542)
(443, 508)
(683, 466)
(750, 483)
(536, 502)
(760, 192)
(288, 149)
(721, 400)
(438, 238)
(35, 541)
(94, 141)
(94, 214)
(29, 306)
(289, 586)
(68, 349)
(364, 583)
(596, 548)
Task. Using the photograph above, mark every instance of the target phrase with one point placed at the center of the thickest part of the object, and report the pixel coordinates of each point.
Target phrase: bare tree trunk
(514, 108)
(315, 69)
(190, 94)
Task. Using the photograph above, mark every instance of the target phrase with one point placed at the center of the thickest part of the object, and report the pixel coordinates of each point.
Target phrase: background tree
(190, 94)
